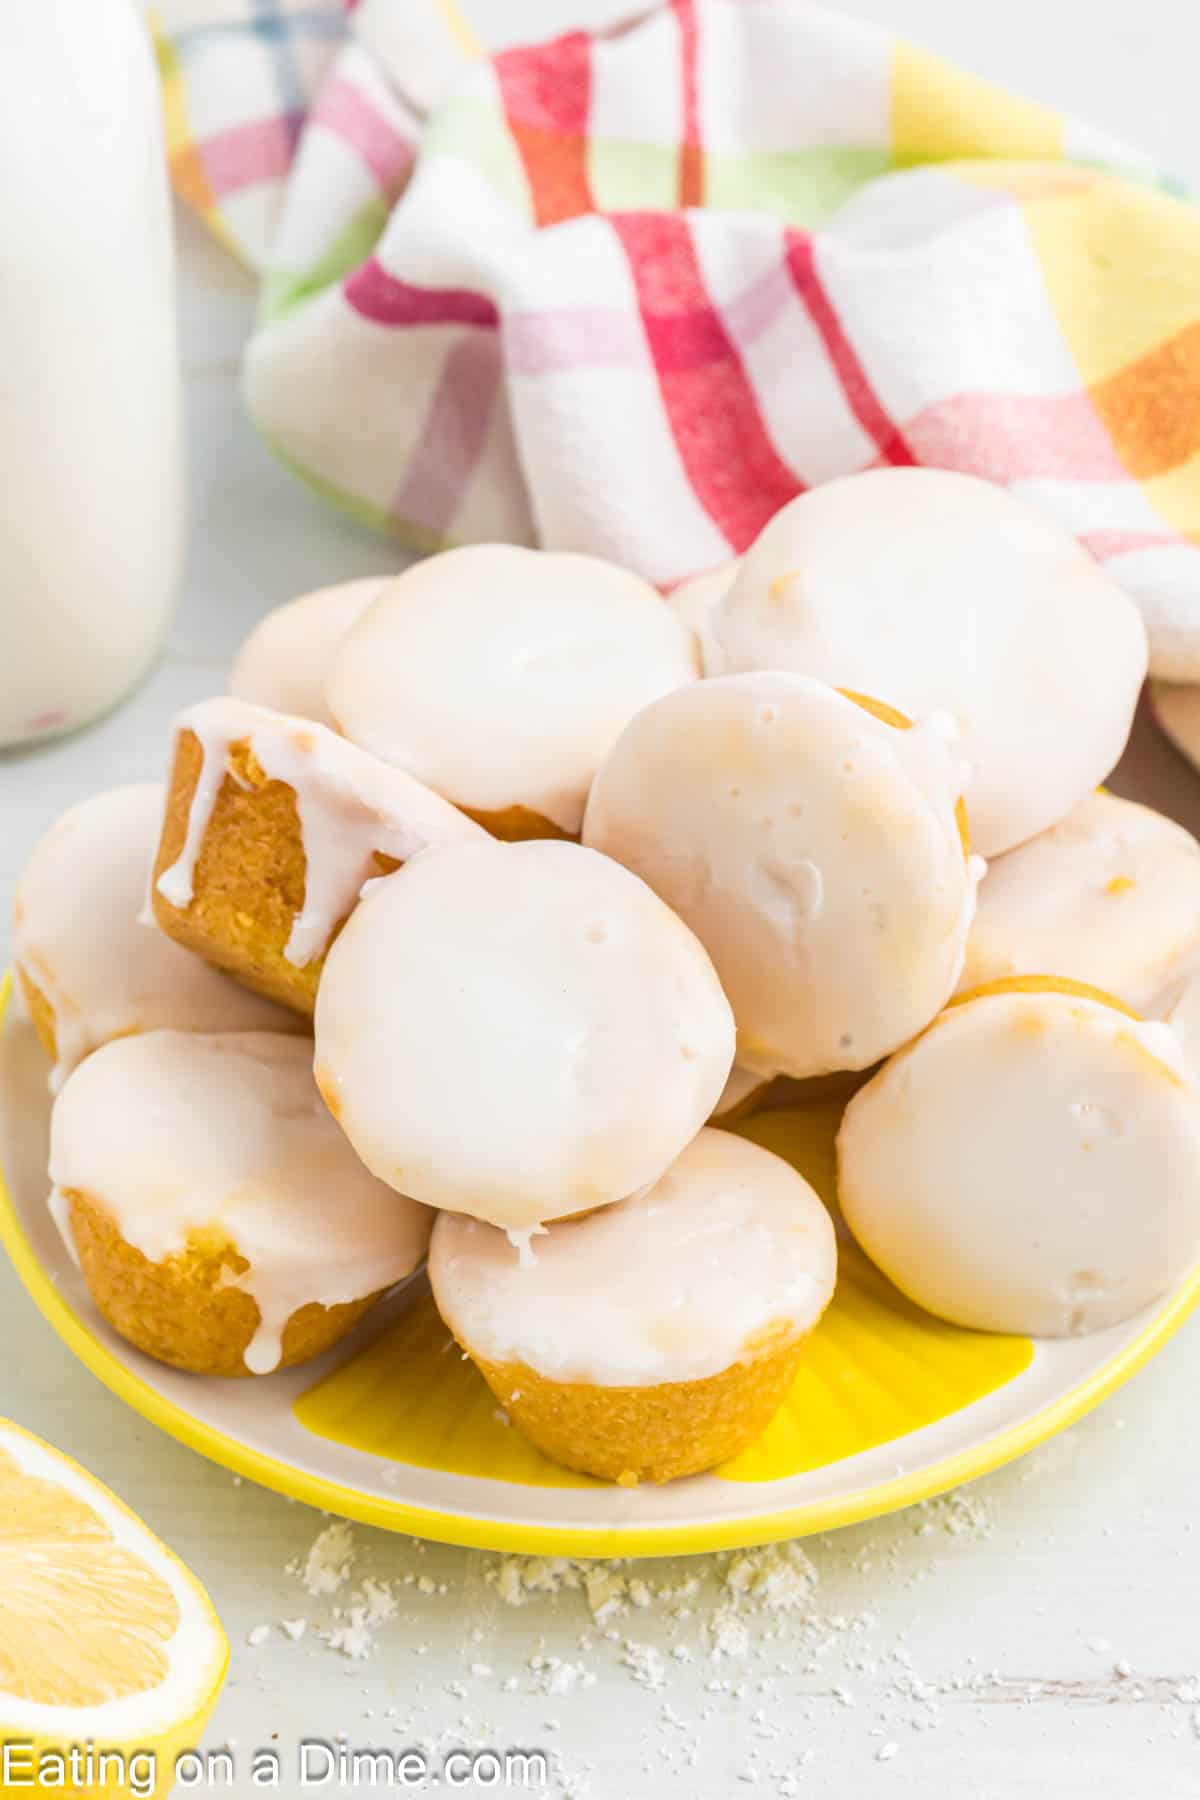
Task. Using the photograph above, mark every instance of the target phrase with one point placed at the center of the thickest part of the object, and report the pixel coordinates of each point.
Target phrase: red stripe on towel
(691, 151)
(734, 468)
(547, 95)
(863, 401)
(385, 300)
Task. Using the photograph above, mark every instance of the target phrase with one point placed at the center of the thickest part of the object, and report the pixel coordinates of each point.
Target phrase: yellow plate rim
(500, 1534)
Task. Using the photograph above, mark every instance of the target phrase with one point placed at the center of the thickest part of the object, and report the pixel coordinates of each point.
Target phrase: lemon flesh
(106, 1640)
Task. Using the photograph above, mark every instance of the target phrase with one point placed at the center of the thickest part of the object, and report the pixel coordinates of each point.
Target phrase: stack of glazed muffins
(489, 891)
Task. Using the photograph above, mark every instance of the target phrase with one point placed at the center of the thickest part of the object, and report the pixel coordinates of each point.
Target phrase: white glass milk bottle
(91, 488)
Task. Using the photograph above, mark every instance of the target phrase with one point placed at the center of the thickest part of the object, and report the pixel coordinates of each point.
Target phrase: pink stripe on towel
(1104, 545)
(346, 112)
(573, 337)
(1016, 437)
(246, 155)
(455, 432)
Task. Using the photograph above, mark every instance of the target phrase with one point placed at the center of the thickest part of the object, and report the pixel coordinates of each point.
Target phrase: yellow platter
(395, 1429)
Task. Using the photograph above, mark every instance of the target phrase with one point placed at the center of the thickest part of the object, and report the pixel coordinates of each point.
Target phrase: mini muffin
(814, 848)
(1030, 1164)
(693, 600)
(89, 970)
(1111, 897)
(942, 593)
(284, 661)
(657, 1337)
(519, 1031)
(220, 1219)
(272, 826)
(499, 676)
(1177, 709)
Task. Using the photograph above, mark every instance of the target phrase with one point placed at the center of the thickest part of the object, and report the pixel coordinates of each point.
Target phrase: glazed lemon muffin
(272, 826)
(943, 593)
(656, 1337)
(519, 1031)
(499, 676)
(1110, 896)
(693, 600)
(284, 661)
(816, 850)
(88, 969)
(220, 1219)
(1030, 1164)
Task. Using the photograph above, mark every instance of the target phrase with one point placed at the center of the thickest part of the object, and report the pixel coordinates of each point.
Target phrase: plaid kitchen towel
(629, 292)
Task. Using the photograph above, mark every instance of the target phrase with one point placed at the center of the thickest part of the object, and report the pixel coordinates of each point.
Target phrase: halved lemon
(111, 1656)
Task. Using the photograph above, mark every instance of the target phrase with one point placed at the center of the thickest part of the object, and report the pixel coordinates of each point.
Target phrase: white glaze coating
(1177, 710)
(1030, 1164)
(77, 936)
(60, 1212)
(812, 849)
(500, 675)
(350, 806)
(1111, 896)
(675, 1284)
(694, 600)
(176, 1134)
(519, 1031)
(935, 592)
(284, 661)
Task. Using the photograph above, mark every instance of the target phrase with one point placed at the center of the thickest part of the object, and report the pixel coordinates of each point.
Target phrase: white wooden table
(1037, 1636)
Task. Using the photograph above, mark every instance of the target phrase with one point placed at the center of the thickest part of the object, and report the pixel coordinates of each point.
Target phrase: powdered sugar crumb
(327, 1565)
(645, 1663)
(744, 1643)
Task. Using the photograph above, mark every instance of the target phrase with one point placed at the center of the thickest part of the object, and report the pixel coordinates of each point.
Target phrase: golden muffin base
(658, 1433)
(517, 824)
(891, 715)
(249, 878)
(1041, 984)
(41, 1012)
(45, 1020)
(179, 1311)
